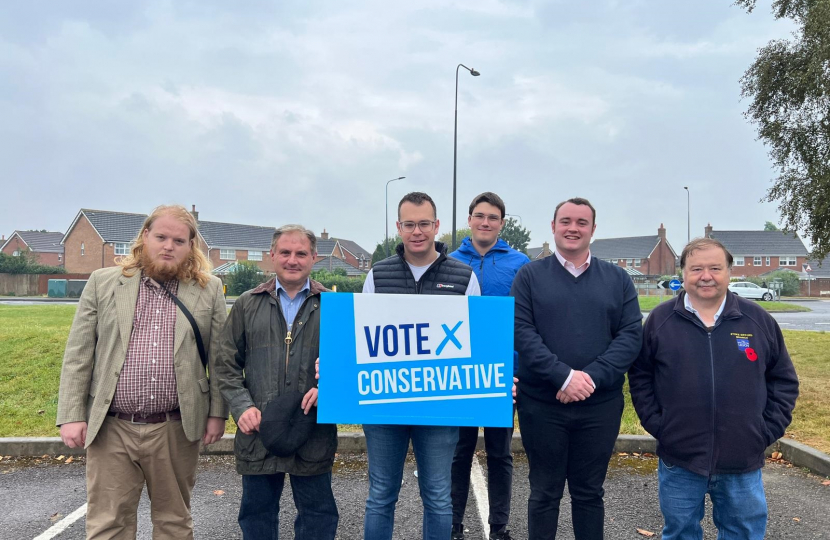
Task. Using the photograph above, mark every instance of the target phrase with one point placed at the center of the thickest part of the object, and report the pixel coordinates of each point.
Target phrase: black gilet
(444, 276)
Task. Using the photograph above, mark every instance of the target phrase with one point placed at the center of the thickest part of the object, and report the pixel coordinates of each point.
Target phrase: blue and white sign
(416, 360)
(674, 284)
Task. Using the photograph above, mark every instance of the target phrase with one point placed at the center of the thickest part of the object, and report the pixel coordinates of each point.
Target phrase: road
(817, 320)
(38, 494)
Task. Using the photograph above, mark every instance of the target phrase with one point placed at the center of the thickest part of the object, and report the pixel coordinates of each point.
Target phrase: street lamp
(516, 216)
(688, 216)
(386, 238)
(474, 73)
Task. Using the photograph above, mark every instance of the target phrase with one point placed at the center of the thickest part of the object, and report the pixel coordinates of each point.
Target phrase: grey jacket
(255, 365)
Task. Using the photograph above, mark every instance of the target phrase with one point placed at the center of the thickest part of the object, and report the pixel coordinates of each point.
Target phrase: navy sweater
(591, 323)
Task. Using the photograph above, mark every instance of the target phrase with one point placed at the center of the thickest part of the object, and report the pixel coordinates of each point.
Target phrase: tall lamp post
(688, 216)
(386, 238)
(474, 73)
(516, 216)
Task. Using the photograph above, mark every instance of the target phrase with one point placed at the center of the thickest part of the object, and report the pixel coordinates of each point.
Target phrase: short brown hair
(197, 266)
(704, 243)
(490, 198)
(581, 202)
(417, 198)
(292, 228)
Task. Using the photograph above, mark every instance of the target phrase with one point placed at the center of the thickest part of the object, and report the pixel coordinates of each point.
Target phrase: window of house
(637, 262)
(16, 253)
(227, 254)
(122, 248)
(629, 262)
(767, 261)
(82, 249)
(739, 261)
(60, 258)
(787, 260)
(254, 255)
(615, 261)
(756, 261)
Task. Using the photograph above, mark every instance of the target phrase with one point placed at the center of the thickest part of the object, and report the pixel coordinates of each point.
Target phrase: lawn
(32, 340)
(647, 303)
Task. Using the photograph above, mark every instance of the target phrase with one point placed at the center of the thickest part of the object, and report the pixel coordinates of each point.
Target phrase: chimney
(195, 213)
(707, 232)
(661, 232)
(324, 236)
(546, 252)
(2, 238)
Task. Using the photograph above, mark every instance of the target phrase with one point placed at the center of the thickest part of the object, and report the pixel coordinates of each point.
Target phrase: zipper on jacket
(287, 341)
(714, 403)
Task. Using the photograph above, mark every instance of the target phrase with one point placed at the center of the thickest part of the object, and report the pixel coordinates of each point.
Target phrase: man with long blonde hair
(133, 388)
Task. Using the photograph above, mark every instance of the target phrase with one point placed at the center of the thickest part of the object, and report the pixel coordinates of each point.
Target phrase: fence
(31, 284)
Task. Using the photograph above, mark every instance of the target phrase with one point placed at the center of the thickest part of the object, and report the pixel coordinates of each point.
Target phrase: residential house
(45, 246)
(638, 255)
(761, 252)
(331, 264)
(354, 254)
(539, 252)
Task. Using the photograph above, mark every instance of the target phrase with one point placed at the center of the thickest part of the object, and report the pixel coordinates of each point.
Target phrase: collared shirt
(574, 270)
(291, 307)
(688, 305)
(147, 383)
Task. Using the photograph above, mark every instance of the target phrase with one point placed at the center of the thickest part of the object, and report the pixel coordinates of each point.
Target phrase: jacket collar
(732, 309)
(468, 249)
(270, 287)
(440, 247)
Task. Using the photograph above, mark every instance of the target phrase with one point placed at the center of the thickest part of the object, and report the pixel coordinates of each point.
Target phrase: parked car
(747, 289)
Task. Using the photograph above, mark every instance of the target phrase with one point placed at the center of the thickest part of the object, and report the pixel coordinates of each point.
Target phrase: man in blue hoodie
(495, 264)
(715, 386)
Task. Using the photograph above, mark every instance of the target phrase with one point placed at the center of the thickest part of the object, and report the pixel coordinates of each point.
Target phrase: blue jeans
(739, 507)
(387, 446)
(259, 511)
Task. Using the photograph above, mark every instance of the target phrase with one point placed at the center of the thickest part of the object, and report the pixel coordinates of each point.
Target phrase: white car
(747, 289)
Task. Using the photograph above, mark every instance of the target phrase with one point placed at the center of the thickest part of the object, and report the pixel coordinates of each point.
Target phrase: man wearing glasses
(495, 265)
(420, 266)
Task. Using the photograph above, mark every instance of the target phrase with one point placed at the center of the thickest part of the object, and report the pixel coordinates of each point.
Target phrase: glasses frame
(404, 225)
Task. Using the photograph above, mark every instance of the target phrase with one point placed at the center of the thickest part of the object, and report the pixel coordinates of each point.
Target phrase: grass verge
(32, 341)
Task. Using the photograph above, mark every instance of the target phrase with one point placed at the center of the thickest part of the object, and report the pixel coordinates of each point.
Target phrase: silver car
(747, 289)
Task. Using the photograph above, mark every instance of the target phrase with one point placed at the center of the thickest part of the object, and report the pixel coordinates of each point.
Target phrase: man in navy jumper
(495, 264)
(578, 329)
(715, 386)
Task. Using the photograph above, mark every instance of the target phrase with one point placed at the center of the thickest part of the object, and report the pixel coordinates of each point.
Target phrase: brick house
(227, 242)
(333, 263)
(648, 255)
(46, 246)
(539, 252)
(345, 250)
(761, 252)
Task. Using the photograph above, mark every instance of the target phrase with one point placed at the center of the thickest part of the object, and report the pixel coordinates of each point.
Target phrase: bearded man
(133, 387)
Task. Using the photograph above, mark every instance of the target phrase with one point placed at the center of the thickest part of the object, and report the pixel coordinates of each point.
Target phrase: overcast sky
(268, 113)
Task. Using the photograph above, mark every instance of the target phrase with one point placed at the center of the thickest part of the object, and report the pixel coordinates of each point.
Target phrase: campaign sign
(416, 360)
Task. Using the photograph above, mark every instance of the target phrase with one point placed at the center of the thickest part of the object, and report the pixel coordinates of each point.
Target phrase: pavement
(39, 493)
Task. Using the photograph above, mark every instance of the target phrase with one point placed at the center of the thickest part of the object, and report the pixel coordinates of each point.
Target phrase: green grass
(647, 303)
(32, 340)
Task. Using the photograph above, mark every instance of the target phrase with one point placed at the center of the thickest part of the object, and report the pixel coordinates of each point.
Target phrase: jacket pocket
(248, 447)
(321, 446)
(204, 386)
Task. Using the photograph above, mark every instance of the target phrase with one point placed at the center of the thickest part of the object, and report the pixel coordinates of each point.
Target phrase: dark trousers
(259, 511)
(570, 442)
(499, 473)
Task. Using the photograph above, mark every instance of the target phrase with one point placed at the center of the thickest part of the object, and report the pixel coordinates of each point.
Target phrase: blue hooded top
(496, 270)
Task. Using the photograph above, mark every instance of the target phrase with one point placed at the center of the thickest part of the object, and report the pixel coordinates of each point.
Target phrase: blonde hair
(196, 266)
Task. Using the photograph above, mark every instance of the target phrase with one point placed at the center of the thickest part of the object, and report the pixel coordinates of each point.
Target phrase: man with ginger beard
(133, 388)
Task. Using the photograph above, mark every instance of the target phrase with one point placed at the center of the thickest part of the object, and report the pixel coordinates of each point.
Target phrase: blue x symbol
(450, 337)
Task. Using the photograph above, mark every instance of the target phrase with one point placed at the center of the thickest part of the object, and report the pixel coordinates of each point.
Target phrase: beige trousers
(120, 460)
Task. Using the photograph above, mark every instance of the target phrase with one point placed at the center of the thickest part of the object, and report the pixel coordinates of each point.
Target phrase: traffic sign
(674, 284)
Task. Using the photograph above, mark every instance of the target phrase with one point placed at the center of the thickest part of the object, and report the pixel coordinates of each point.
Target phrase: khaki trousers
(120, 460)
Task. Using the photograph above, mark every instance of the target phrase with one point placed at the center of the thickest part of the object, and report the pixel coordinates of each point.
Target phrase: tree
(515, 235)
(789, 85)
(339, 279)
(26, 263)
(770, 226)
(245, 276)
(380, 252)
(460, 235)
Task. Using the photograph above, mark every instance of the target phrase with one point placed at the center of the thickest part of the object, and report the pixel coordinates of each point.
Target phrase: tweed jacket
(97, 347)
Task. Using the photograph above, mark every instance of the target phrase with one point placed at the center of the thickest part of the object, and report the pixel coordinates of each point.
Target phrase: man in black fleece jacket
(715, 386)
(578, 328)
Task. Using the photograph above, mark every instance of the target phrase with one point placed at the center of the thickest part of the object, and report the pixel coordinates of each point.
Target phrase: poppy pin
(751, 354)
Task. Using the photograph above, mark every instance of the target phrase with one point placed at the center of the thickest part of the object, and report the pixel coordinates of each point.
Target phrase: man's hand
(309, 400)
(317, 369)
(579, 388)
(249, 421)
(515, 380)
(214, 430)
(73, 434)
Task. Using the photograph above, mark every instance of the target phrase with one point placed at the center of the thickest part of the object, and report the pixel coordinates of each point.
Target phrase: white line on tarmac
(823, 323)
(480, 493)
(62, 525)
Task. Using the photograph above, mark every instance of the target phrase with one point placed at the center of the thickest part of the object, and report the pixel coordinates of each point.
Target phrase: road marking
(822, 323)
(62, 525)
(480, 493)
(783, 323)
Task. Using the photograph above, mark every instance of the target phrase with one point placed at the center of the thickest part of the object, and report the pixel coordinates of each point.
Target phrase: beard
(161, 271)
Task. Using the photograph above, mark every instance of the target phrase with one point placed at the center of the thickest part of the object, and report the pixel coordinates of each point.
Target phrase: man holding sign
(419, 266)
